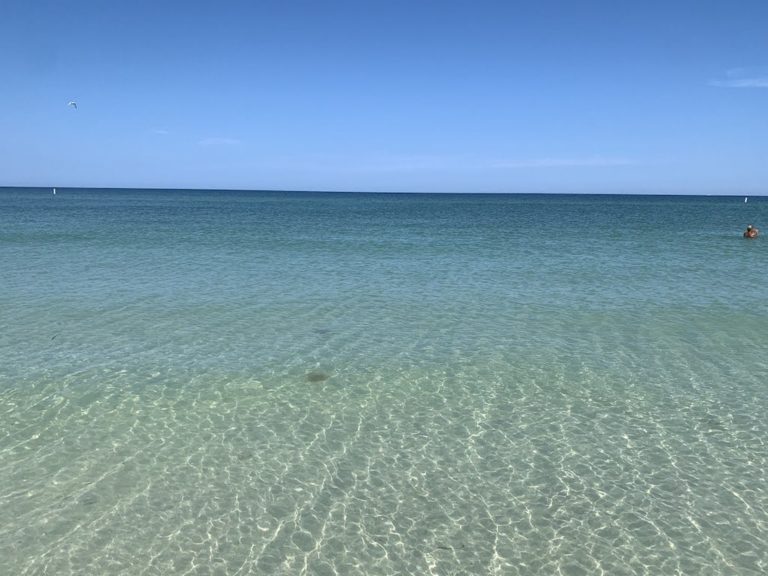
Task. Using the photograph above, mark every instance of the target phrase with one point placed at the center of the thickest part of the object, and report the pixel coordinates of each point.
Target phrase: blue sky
(387, 95)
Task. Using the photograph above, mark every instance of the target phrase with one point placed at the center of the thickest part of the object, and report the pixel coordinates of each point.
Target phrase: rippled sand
(379, 410)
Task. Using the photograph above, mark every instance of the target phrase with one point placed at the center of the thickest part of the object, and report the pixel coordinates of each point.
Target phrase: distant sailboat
(745, 199)
(54, 191)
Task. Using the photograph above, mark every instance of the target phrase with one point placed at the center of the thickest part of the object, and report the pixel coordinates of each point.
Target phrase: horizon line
(318, 191)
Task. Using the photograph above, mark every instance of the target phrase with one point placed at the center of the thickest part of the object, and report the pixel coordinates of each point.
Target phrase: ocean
(232, 382)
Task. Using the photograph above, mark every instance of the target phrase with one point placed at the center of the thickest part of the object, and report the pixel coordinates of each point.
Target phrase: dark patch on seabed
(88, 499)
(317, 376)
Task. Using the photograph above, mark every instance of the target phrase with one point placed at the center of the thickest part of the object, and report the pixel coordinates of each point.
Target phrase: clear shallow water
(269, 383)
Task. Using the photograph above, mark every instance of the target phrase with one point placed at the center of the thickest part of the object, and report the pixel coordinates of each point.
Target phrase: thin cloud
(742, 83)
(413, 163)
(743, 78)
(588, 162)
(160, 131)
(428, 163)
(424, 163)
(218, 141)
(392, 163)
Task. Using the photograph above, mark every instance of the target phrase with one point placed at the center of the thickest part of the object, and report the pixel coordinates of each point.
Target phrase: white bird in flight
(73, 104)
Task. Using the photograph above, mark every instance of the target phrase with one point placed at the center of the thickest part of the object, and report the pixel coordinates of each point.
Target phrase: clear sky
(387, 95)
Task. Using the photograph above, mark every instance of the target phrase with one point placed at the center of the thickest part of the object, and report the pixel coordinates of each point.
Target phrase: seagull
(73, 104)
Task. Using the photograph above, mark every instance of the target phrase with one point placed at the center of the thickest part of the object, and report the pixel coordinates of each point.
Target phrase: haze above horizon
(387, 95)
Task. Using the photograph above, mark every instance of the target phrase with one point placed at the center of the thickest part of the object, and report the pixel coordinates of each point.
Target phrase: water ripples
(383, 387)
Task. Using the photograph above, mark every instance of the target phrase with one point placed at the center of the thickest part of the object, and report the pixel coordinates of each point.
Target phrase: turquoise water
(285, 383)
